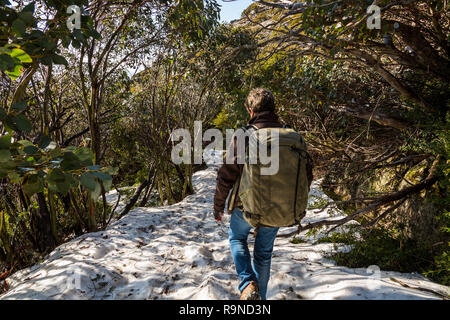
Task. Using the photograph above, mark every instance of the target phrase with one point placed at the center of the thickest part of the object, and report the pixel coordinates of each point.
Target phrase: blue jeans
(262, 252)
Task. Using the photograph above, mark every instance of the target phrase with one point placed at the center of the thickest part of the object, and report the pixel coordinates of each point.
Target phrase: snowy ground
(179, 252)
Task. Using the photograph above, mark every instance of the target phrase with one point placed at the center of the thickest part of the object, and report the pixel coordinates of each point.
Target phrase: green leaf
(30, 150)
(19, 106)
(107, 184)
(26, 16)
(57, 59)
(5, 142)
(18, 27)
(21, 55)
(49, 45)
(54, 153)
(5, 154)
(88, 180)
(70, 182)
(96, 35)
(85, 155)
(22, 123)
(79, 35)
(70, 162)
(6, 62)
(76, 44)
(46, 60)
(37, 34)
(59, 181)
(3, 114)
(56, 176)
(97, 190)
(102, 176)
(44, 142)
(16, 72)
(14, 177)
(25, 143)
(33, 184)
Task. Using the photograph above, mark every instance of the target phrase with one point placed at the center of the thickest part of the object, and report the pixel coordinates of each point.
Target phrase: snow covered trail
(179, 252)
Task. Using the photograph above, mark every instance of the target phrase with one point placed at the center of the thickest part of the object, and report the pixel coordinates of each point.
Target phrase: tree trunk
(377, 116)
(94, 128)
(42, 222)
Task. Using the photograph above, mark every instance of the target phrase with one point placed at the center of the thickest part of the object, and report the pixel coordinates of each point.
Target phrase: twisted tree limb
(377, 116)
(138, 192)
(375, 204)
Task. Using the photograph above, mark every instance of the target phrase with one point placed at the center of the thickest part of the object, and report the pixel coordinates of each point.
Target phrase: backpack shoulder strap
(236, 185)
(249, 127)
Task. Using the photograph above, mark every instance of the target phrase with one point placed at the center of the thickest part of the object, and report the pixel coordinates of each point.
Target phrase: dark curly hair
(260, 99)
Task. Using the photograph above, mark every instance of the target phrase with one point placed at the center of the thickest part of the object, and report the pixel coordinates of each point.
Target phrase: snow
(180, 252)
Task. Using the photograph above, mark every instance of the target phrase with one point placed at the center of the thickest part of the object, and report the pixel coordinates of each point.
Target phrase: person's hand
(218, 215)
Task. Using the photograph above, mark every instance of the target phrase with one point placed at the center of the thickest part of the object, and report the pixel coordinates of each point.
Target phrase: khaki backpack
(280, 199)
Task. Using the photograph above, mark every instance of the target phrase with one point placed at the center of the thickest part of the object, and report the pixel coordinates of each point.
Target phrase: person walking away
(265, 203)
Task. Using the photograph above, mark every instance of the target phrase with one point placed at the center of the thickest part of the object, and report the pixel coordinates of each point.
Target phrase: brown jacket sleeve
(227, 176)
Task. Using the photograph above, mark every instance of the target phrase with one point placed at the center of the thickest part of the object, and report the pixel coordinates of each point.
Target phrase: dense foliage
(87, 110)
(373, 104)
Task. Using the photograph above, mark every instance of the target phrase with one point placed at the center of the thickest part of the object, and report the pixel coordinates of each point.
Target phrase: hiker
(265, 207)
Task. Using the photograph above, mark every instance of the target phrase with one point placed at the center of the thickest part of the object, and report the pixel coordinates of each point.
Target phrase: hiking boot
(251, 292)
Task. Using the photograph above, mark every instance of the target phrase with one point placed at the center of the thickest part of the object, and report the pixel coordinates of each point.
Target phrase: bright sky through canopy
(232, 10)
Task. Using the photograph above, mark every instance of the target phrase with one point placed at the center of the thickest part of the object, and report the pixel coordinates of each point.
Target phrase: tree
(406, 92)
(182, 85)
(31, 163)
(50, 148)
